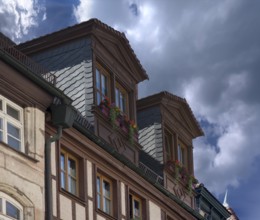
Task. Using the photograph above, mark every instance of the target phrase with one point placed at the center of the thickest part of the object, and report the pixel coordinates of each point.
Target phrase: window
(121, 98)
(181, 154)
(69, 172)
(11, 124)
(9, 208)
(168, 142)
(104, 194)
(135, 207)
(102, 84)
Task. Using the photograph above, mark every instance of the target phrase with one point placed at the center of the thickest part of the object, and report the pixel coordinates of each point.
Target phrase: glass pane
(1, 208)
(98, 98)
(106, 206)
(97, 79)
(136, 208)
(117, 97)
(1, 129)
(72, 167)
(13, 131)
(62, 161)
(98, 201)
(104, 84)
(62, 180)
(106, 189)
(1, 105)
(13, 142)
(12, 211)
(13, 112)
(72, 186)
(98, 184)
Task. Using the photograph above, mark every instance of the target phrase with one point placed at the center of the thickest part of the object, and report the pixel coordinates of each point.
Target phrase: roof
(203, 192)
(77, 31)
(158, 98)
(29, 68)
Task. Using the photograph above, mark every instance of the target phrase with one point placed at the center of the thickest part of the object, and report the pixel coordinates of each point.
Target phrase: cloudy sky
(206, 51)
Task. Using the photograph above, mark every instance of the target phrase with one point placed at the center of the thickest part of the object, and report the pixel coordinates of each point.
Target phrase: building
(81, 109)
(208, 206)
(24, 99)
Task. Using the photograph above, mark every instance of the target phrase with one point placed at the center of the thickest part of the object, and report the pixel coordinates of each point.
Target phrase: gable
(181, 117)
(114, 50)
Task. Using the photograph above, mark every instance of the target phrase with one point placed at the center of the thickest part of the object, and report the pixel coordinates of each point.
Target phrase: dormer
(96, 67)
(167, 128)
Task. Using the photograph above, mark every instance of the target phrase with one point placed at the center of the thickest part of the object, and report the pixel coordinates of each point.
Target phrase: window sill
(72, 196)
(105, 215)
(19, 152)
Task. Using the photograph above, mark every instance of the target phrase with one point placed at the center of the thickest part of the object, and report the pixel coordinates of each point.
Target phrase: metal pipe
(48, 179)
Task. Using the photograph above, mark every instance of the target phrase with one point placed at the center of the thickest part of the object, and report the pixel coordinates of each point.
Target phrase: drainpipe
(62, 117)
(48, 179)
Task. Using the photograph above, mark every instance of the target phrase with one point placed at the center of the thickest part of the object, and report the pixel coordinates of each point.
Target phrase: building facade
(72, 127)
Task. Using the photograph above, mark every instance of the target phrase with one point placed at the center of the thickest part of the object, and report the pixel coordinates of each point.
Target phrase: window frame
(4, 198)
(16, 123)
(134, 197)
(99, 192)
(67, 156)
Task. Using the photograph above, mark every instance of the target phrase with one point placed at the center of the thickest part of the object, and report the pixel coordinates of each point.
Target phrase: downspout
(63, 116)
(48, 179)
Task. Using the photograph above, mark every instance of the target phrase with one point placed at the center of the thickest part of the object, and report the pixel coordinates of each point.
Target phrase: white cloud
(82, 11)
(18, 16)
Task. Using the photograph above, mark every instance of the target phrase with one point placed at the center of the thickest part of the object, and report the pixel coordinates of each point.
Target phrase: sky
(205, 51)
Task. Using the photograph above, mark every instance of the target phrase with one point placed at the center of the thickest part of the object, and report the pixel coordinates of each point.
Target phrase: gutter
(27, 72)
(132, 166)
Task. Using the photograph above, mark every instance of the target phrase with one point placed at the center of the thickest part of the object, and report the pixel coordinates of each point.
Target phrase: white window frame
(9, 119)
(6, 198)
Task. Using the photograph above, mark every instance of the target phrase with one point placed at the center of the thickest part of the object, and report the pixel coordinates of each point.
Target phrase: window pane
(136, 208)
(1, 105)
(72, 186)
(13, 131)
(98, 98)
(1, 129)
(106, 206)
(97, 79)
(117, 97)
(106, 189)
(13, 112)
(98, 201)
(98, 184)
(62, 180)
(104, 85)
(1, 208)
(62, 161)
(12, 211)
(72, 167)
(13, 142)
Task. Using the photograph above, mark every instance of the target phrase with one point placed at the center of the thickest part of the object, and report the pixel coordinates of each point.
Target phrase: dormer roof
(176, 105)
(92, 27)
